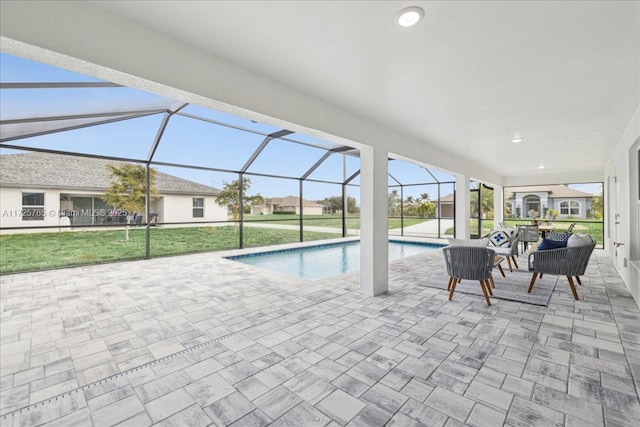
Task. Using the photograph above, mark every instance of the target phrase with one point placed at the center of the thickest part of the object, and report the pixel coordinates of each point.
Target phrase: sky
(186, 140)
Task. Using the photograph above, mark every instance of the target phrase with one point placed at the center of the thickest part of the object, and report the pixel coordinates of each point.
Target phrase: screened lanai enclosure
(92, 172)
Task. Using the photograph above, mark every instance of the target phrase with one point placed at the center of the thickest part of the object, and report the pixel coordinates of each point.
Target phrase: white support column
(463, 210)
(498, 204)
(374, 233)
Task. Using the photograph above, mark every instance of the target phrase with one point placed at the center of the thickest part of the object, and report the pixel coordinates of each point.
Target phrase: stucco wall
(11, 209)
(179, 208)
(619, 167)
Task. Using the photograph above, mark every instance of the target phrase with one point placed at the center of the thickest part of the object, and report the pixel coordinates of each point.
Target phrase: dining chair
(529, 234)
(472, 263)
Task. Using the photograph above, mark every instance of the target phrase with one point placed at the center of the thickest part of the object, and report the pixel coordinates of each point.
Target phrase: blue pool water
(322, 261)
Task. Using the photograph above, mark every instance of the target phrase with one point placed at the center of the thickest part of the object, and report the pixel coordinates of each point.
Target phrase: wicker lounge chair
(570, 261)
(464, 262)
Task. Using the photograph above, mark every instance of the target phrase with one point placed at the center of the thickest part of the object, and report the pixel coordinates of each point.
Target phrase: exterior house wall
(170, 208)
(11, 210)
(583, 203)
(620, 171)
(179, 208)
(310, 210)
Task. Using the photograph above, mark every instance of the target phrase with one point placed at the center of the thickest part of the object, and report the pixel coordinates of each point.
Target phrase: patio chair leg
(454, 282)
(578, 279)
(573, 287)
(488, 284)
(513, 258)
(449, 283)
(509, 262)
(501, 270)
(533, 280)
(493, 284)
(541, 275)
(484, 291)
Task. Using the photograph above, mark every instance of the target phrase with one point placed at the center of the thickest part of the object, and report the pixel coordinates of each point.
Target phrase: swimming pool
(322, 261)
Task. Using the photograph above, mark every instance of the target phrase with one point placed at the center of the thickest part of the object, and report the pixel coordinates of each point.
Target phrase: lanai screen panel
(188, 141)
(228, 119)
(284, 158)
(128, 139)
(336, 168)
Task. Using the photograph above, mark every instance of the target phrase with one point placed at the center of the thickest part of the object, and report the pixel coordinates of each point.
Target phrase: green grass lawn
(37, 251)
(331, 221)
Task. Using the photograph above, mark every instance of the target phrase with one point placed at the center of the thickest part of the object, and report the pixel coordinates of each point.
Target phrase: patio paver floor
(201, 340)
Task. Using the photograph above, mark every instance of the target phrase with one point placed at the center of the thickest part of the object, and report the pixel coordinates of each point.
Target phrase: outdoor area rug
(512, 288)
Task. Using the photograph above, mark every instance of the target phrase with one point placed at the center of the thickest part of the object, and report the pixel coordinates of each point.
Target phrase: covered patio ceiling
(456, 88)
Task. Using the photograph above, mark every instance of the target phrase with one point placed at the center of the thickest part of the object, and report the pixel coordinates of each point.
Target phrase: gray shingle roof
(45, 170)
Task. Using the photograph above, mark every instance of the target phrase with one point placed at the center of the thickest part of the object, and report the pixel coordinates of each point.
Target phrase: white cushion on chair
(579, 239)
(474, 243)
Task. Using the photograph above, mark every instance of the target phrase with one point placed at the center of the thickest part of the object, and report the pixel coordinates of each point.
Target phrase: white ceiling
(468, 78)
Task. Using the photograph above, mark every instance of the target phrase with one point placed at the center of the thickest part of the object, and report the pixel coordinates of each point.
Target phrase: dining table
(544, 229)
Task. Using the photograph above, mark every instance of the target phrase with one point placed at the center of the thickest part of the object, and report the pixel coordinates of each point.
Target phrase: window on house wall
(33, 206)
(569, 208)
(198, 207)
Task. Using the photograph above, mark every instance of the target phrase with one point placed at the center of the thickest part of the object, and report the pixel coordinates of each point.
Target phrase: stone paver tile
(81, 417)
(52, 391)
(568, 404)
(350, 385)
(255, 418)
(309, 387)
(530, 414)
(28, 375)
(97, 373)
(87, 348)
(14, 398)
(341, 406)
(302, 415)
(229, 409)
(274, 375)
(109, 397)
(384, 397)
(117, 412)
(518, 386)
(548, 369)
(238, 371)
(203, 368)
(367, 372)
(327, 369)
(370, 416)
(168, 404)
(165, 348)
(488, 395)
(50, 413)
(483, 416)
(450, 403)
(423, 413)
(153, 389)
(251, 388)
(276, 402)
(402, 420)
(139, 420)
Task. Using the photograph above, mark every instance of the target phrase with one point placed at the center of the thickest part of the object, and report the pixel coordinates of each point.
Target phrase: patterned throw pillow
(554, 235)
(551, 244)
(499, 238)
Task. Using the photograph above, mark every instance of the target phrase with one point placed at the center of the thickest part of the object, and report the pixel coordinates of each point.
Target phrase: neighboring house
(567, 201)
(444, 206)
(43, 189)
(289, 204)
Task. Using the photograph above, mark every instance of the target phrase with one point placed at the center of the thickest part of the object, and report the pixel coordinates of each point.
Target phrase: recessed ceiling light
(409, 16)
(541, 166)
(517, 140)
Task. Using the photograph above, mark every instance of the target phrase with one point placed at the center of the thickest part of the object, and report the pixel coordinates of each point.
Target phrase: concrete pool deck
(200, 340)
